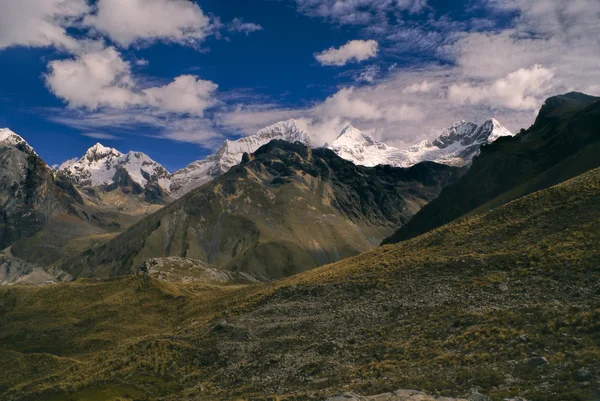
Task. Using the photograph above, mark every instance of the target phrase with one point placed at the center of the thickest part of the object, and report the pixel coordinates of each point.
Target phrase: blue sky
(174, 78)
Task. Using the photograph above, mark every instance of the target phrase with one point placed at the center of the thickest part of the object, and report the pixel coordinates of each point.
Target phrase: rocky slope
(506, 302)
(563, 142)
(456, 146)
(230, 154)
(285, 209)
(31, 193)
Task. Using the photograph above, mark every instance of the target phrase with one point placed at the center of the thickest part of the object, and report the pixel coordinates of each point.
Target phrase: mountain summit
(230, 154)
(456, 146)
(105, 166)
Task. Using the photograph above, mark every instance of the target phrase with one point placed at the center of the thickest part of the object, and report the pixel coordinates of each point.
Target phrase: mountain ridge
(563, 142)
(260, 216)
(455, 146)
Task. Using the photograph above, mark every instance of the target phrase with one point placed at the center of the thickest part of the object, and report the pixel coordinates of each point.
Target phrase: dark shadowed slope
(563, 142)
(285, 209)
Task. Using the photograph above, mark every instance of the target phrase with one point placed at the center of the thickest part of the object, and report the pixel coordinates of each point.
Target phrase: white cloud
(419, 87)
(100, 135)
(369, 74)
(104, 79)
(186, 94)
(238, 25)
(140, 21)
(357, 12)
(519, 90)
(353, 51)
(93, 80)
(102, 93)
(344, 104)
(38, 23)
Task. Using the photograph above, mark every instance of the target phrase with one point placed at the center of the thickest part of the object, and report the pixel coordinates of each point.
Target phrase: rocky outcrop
(31, 193)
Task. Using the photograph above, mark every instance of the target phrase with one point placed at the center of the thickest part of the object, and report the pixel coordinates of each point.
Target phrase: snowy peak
(460, 131)
(9, 138)
(100, 164)
(455, 146)
(491, 130)
(352, 135)
(231, 153)
(360, 148)
(285, 130)
(98, 151)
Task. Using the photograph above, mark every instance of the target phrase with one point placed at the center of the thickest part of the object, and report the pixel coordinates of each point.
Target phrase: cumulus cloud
(519, 90)
(104, 79)
(186, 94)
(353, 51)
(345, 104)
(38, 23)
(133, 21)
(93, 80)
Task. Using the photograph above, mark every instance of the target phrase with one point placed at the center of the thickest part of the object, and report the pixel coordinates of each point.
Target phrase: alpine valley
(257, 273)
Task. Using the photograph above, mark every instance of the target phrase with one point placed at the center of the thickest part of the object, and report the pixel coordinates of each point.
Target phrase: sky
(175, 78)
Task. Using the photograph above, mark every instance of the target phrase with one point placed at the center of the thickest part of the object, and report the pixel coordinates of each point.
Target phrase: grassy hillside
(507, 302)
(286, 209)
(563, 143)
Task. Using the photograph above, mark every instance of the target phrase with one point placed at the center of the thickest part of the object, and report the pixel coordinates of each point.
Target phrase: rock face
(230, 154)
(456, 146)
(288, 209)
(31, 193)
(563, 142)
(400, 395)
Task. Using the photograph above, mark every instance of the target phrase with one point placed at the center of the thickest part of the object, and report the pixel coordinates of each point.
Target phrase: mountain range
(286, 208)
(105, 167)
(486, 290)
(456, 146)
(561, 144)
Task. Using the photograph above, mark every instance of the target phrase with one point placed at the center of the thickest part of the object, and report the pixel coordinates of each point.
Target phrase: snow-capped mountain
(10, 139)
(31, 193)
(456, 146)
(230, 154)
(102, 166)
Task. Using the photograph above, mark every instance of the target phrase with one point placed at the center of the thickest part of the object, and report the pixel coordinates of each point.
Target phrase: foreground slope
(563, 142)
(285, 209)
(506, 302)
